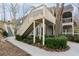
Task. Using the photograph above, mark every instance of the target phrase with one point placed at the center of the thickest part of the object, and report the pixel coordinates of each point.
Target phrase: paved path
(35, 51)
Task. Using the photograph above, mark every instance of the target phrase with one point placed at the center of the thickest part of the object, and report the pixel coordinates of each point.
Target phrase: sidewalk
(35, 51)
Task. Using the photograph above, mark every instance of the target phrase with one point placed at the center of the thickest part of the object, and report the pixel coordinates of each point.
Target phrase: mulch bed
(49, 49)
(8, 49)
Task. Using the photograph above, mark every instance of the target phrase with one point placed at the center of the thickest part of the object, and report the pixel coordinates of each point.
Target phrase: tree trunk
(3, 8)
(58, 25)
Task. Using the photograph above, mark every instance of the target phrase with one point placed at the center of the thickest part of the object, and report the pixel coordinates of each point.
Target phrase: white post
(34, 32)
(53, 30)
(73, 29)
(40, 32)
(43, 31)
(72, 24)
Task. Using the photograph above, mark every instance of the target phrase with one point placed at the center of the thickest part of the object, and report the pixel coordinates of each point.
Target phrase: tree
(14, 11)
(58, 25)
(25, 10)
(3, 12)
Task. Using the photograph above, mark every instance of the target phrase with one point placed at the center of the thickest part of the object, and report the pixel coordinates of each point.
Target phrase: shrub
(56, 42)
(74, 38)
(19, 38)
(70, 37)
(38, 40)
(49, 36)
(28, 40)
(5, 33)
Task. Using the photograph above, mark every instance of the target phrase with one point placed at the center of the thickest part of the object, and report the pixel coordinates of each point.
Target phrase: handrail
(29, 19)
(33, 15)
(69, 19)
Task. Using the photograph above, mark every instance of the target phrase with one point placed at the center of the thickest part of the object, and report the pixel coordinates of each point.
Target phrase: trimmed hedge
(28, 40)
(5, 33)
(19, 38)
(59, 42)
(56, 42)
(74, 38)
(49, 36)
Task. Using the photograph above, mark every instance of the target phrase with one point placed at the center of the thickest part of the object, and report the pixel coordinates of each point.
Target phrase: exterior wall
(37, 30)
(48, 29)
(68, 24)
(76, 29)
(66, 28)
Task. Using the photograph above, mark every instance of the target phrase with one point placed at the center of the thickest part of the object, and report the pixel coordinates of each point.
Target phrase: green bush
(28, 40)
(74, 38)
(5, 33)
(49, 36)
(19, 38)
(56, 42)
(70, 37)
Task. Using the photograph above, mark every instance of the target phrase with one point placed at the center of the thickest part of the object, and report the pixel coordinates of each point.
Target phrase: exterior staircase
(9, 31)
(36, 15)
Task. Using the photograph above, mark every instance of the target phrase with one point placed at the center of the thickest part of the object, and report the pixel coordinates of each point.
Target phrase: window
(67, 14)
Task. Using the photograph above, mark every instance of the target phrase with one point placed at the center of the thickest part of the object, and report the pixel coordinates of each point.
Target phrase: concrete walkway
(35, 51)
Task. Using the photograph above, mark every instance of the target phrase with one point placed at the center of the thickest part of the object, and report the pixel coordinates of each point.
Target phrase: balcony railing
(66, 20)
(67, 33)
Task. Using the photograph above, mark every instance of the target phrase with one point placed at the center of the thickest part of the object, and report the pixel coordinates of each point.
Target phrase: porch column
(34, 32)
(62, 30)
(53, 30)
(40, 32)
(73, 29)
(43, 42)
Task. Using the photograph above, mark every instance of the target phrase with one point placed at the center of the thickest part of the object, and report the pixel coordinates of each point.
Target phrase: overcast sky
(29, 6)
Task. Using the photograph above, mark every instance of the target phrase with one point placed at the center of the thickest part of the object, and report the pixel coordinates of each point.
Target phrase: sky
(28, 7)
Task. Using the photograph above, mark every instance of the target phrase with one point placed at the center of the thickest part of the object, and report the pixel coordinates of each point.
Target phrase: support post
(73, 29)
(43, 32)
(40, 32)
(53, 30)
(34, 32)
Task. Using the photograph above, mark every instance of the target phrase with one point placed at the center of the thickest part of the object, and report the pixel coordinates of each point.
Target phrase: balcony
(67, 20)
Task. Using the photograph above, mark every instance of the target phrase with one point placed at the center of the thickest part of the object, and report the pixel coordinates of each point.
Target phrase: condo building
(40, 21)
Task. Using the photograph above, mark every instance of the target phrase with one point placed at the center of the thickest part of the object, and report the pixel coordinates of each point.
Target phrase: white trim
(34, 32)
(40, 32)
(43, 31)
